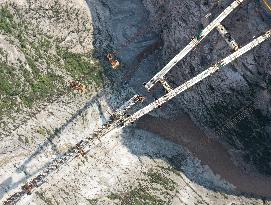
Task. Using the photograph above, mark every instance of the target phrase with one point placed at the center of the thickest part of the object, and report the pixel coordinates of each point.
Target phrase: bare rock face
(44, 45)
(234, 104)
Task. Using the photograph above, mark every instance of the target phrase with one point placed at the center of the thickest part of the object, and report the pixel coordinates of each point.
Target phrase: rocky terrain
(40, 53)
(234, 105)
(46, 45)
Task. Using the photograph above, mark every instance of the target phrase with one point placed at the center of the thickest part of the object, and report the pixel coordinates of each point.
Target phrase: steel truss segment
(197, 78)
(166, 85)
(125, 121)
(194, 42)
(127, 105)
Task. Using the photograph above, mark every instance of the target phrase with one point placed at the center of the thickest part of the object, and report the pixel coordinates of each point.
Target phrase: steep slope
(234, 104)
(127, 166)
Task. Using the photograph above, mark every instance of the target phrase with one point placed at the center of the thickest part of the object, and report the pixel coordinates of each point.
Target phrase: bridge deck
(195, 41)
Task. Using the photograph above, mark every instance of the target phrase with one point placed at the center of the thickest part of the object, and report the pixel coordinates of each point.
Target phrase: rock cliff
(232, 105)
(45, 45)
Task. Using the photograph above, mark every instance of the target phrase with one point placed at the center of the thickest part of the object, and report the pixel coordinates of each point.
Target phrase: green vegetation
(158, 178)
(92, 201)
(20, 87)
(42, 131)
(42, 196)
(40, 87)
(6, 20)
(80, 67)
(141, 196)
(8, 87)
(137, 196)
(153, 190)
(113, 196)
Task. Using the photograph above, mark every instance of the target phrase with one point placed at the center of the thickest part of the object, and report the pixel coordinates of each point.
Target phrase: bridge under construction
(124, 116)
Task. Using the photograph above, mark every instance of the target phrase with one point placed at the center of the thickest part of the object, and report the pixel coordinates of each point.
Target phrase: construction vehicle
(114, 63)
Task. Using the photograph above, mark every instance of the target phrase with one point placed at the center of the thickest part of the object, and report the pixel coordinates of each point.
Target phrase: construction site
(135, 102)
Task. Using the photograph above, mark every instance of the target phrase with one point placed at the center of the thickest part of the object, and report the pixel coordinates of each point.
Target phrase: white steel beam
(195, 41)
(197, 78)
(165, 85)
(126, 106)
(85, 145)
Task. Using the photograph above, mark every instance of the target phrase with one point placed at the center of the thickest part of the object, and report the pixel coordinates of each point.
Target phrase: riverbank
(183, 131)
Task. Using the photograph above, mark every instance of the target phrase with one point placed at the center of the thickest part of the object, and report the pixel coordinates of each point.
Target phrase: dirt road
(210, 152)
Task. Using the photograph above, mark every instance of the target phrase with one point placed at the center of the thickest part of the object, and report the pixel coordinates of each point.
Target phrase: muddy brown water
(212, 153)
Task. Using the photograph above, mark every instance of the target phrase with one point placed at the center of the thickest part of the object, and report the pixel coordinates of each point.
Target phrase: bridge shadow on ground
(115, 31)
(106, 31)
(8, 184)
